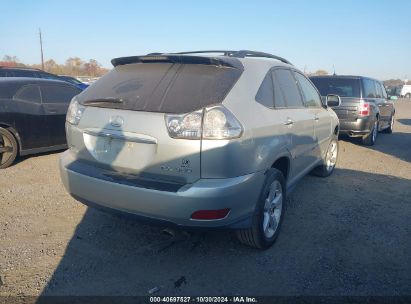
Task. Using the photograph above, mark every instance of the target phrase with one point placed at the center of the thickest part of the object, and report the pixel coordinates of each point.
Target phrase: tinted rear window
(163, 87)
(8, 89)
(58, 93)
(344, 87)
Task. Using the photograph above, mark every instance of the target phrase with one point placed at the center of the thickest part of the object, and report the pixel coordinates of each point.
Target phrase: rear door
(370, 95)
(322, 119)
(30, 118)
(56, 99)
(385, 106)
(127, 132)
(299, 122)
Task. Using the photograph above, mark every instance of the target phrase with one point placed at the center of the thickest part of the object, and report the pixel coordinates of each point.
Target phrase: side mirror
(333, 100)
(393, 97)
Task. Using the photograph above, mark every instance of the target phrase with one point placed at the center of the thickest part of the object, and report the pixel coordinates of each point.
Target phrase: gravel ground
(345, 235)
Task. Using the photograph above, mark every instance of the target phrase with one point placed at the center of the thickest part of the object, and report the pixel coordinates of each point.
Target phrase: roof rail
(237, 54)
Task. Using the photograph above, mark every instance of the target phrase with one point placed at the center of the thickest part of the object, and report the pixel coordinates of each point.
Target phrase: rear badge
(184, 168)
(116, 121)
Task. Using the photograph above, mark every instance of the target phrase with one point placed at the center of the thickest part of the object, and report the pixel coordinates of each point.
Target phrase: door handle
(289, 122)
(316, 118)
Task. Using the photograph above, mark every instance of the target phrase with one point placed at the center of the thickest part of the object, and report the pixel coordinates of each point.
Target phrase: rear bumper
(354, 128)
(239, 194)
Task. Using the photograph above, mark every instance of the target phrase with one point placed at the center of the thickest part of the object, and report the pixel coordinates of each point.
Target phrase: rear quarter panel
(259, 146)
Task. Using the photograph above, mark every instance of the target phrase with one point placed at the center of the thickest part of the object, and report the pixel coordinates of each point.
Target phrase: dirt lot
(345, 235)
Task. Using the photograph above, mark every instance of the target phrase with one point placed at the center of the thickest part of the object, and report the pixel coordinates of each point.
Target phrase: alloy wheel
(6, 149)
(332, 153)
(272, 209)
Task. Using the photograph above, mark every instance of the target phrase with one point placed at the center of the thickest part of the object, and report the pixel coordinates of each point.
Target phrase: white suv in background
(406, 91)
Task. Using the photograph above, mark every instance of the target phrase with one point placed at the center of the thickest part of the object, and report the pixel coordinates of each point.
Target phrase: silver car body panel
(215, 173)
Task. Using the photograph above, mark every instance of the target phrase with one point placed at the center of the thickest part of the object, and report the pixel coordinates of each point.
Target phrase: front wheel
(268, 215)
(408, 95)
(8, 148)
(327, 168)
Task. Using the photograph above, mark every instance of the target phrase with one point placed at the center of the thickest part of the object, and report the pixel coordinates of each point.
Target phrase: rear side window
(48, 76)
(369, 88)
(265, 92)
(379, 89)
(30, 93)
(289, 88)
(311, 97)
(343, 87)
(279, 101)
(163, 87)
(23, 73)
(58, 94)
(8, 89)
(384, 92)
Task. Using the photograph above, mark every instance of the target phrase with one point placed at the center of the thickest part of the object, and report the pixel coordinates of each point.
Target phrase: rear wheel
(370, 138)
(330, 160)
(268, 215)
(391, 125)
(408, 95)
(8, 148)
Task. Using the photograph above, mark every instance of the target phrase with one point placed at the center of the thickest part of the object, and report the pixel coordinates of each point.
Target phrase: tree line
(73, 66)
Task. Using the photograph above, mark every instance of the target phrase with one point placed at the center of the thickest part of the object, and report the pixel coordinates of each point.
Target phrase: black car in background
(32, 116)
(36, 73)
(365, 106)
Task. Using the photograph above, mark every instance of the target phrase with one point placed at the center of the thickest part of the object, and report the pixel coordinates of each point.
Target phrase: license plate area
(120, 150)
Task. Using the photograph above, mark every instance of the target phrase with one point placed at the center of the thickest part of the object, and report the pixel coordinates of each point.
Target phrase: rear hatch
(123, 127)
(348, 88)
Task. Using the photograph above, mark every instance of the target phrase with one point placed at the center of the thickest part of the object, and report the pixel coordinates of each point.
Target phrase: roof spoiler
(176, 58)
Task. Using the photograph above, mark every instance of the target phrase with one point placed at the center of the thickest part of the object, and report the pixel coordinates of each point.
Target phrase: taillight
(364, 109)
(214, 122)
(187, 126)
(74, 112)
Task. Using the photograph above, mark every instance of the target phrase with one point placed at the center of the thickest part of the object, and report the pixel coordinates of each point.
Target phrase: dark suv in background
(365, 106)
(36, 73)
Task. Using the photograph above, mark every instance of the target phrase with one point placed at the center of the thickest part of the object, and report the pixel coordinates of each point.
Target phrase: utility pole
(41, 49)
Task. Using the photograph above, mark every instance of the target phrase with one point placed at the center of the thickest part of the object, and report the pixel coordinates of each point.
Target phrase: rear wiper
(103, 100)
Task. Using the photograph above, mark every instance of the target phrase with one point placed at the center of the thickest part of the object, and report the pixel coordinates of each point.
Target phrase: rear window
(8, 89)
(344, 87)
(58, 93)
(23, 73)
(162, 87)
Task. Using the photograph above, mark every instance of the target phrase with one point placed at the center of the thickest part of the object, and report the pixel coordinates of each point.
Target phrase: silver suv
(199, 139)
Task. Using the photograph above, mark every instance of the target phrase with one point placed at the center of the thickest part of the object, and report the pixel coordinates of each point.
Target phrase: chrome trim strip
(121, 137)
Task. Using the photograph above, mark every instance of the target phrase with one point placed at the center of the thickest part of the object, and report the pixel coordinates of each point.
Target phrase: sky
(367, 37)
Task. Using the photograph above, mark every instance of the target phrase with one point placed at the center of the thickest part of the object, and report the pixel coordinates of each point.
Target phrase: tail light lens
(364, 109)
(210, 123)
(74, 112)
(187, 126)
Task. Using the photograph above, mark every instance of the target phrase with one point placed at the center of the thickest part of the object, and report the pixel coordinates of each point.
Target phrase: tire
(370, 138)
(408, 95)
(268, 213)
(8, 148)
(391, 126)
(330, 160)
